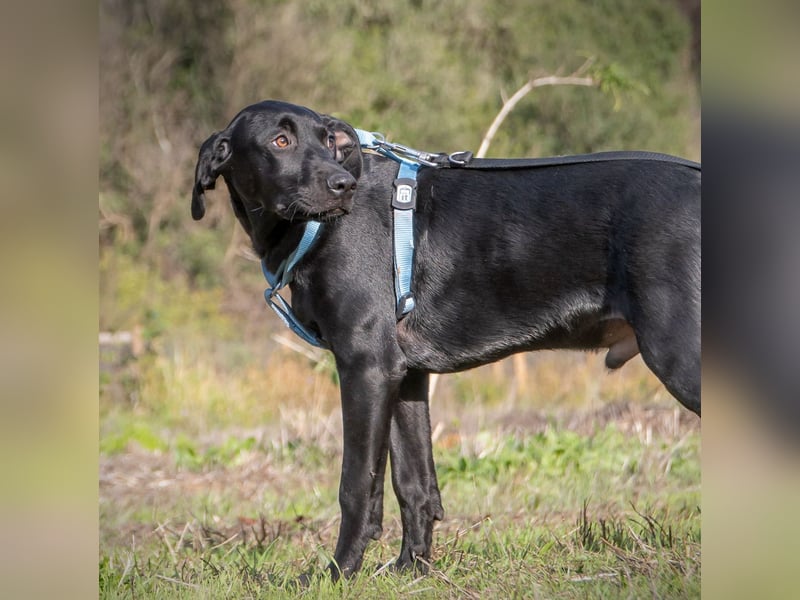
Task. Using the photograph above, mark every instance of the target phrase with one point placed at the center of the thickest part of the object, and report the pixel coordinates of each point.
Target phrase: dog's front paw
(410, 559)
(375, 531)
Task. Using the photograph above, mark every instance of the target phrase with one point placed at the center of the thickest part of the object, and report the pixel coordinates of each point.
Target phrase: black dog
(588, 255)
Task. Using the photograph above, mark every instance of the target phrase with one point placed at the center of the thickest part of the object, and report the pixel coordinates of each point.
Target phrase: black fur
(588, 255)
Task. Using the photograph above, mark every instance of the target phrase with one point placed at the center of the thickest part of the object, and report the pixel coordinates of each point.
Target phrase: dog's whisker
(295, 207)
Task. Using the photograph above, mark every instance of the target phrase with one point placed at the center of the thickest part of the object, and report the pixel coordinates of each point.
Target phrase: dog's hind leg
(413, 471)
(660, 239)
(677, 366)
(667, 325)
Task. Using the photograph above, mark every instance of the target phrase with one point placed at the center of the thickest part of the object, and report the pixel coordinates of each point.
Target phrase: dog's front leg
(369, 386)
(413, 471)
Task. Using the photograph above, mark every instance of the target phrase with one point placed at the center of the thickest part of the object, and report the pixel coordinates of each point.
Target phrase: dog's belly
(446, 354)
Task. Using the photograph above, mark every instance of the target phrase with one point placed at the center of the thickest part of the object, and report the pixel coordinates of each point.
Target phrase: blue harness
(283, 277)
(404, 202)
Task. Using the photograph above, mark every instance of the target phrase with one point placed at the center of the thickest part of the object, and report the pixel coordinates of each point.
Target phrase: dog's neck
(276, 243)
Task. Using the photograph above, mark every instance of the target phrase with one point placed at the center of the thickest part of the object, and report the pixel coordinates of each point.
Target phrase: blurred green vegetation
(429, 74)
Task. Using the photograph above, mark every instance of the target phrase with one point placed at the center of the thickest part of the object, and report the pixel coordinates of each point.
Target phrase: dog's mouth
(297, 214)
(298, 210)
(331, 214)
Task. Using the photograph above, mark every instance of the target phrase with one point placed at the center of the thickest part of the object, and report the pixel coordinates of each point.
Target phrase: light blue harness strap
(404, 202)
(276, 302)
(310, 234)
(283, 276)
(366, 139)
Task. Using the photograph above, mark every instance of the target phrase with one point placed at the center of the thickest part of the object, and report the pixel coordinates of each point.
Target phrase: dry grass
(242, 494)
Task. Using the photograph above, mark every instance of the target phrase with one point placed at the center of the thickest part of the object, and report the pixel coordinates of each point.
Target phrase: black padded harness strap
(465, 160)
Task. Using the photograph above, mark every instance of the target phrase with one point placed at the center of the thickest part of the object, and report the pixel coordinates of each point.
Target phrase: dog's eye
(281, 141)
(331, 141)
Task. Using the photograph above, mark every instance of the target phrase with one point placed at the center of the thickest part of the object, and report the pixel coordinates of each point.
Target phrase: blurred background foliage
(430, 74)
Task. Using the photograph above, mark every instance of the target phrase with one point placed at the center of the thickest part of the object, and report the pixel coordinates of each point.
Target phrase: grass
(585, 497)
(633, 557)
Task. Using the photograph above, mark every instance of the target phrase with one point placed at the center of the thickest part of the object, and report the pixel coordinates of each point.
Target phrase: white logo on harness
(404, 194)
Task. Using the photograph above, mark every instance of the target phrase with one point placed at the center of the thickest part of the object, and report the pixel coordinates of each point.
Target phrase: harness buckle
(405, 194)
(405, 305)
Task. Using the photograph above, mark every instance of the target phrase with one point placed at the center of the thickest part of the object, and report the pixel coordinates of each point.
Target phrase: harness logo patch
(404, 194)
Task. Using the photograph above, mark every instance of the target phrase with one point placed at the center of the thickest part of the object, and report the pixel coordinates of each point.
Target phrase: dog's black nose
(341, 183)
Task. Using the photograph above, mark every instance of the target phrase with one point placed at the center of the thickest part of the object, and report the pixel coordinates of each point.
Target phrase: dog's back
(553, 257)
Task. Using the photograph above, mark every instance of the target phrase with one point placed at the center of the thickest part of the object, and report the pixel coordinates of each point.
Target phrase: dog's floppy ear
(348, 150)
(214, 155)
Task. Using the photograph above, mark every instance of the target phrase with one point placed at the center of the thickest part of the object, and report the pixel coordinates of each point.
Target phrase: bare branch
(509, 104)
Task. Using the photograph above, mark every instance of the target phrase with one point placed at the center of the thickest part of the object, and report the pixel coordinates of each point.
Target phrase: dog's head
(281, 161)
